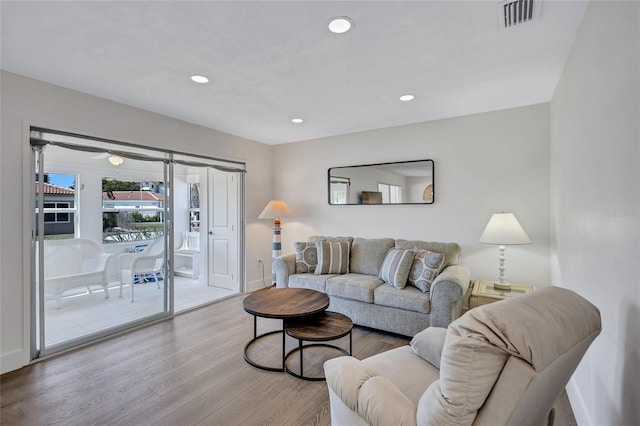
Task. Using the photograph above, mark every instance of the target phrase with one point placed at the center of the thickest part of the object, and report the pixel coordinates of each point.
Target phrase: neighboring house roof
(50, 189)
(133, 196)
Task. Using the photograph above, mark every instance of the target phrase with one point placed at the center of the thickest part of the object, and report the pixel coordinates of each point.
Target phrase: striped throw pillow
(396, 266)
(333, 257)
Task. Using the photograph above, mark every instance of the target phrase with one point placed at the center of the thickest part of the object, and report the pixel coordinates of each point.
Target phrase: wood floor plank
(183, 371)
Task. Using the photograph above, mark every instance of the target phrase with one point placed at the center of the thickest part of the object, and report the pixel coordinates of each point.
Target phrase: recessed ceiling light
(340, 24)
(405, 98)
(297, 120)
(199, 79)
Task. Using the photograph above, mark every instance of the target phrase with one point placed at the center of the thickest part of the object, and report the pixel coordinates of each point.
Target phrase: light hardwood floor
(184, 371)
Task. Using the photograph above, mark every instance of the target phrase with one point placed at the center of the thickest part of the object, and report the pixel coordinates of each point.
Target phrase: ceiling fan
(116, 160)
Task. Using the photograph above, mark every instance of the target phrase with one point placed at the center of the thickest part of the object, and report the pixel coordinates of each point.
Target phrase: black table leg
(256, 338)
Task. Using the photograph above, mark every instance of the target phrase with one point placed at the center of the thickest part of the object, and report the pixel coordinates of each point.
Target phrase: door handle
(210, 232)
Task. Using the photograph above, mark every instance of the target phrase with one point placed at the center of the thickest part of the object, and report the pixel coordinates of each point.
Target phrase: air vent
(516, 12)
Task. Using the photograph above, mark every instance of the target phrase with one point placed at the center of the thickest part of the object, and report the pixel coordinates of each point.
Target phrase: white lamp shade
(504, 229)
(275, 209)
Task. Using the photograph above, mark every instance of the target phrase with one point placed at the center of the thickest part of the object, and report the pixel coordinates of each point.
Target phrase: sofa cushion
(367, 255)
(408, 298)
(310, 281)
(396, 266)
(425, 268)
(306, 257)
(451, 251)
(333, 257)
(358, 287)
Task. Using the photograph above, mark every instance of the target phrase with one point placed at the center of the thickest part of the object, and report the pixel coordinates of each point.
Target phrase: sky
(64, 181)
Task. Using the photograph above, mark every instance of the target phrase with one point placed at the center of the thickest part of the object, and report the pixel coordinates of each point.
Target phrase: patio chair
(149, 261)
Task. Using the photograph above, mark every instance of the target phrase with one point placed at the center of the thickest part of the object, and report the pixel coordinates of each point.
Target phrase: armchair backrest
(151, 258)
(507, 362)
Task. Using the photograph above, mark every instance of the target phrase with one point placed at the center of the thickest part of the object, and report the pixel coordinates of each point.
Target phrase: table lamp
(275, 210)
(503, 229)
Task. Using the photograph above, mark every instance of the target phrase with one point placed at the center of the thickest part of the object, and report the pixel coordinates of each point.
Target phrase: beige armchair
(504, 363)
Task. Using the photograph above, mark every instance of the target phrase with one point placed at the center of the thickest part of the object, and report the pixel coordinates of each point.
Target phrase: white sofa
(365, 298)
(504, 363)
(74, 263)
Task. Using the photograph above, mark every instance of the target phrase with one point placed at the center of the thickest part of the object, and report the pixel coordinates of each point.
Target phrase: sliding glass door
(120, 237)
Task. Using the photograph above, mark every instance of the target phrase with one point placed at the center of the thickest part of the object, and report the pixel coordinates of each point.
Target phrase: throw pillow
(428, 344)
(396, 266)
(333, 257)
(426, 267)
(306, 257)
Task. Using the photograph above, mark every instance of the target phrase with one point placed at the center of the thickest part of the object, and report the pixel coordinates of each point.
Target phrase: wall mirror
(403, 182)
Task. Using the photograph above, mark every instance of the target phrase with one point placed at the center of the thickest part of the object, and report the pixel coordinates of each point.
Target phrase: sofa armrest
(373, 398)
(447, 293)
(284, 266)
(103, 261)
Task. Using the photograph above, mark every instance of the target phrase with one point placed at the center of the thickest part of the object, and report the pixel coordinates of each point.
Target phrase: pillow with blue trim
(306, 257)
(426, 267)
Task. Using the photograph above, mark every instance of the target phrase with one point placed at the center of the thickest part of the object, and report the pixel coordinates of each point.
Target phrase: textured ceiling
(272, 61)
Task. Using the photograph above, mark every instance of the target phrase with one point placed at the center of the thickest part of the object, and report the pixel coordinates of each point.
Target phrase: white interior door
(223, 230)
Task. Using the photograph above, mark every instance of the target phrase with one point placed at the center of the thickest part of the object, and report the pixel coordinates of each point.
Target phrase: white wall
(595, 205)
(26, 102)
(484, 163)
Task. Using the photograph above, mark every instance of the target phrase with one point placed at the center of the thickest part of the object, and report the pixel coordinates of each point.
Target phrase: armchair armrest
(447, 293)
(284, 266)
(374, 398)
(145, 262)
(381, 403)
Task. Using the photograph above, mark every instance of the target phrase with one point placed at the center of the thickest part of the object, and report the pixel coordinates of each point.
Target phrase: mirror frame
(373, 194)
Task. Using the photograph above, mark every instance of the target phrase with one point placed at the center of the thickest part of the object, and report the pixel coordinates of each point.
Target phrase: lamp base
(502, 286)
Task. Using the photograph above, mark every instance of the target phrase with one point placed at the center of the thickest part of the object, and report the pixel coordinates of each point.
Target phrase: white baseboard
(254, 285)
(12, 361)
(577, 404)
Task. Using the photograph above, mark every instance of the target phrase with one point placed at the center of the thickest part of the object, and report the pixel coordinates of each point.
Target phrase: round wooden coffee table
(284, 304)
(318, 328)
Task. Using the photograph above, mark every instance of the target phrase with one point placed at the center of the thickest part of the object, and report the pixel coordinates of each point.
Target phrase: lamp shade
(275, 209)
(504, 229)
